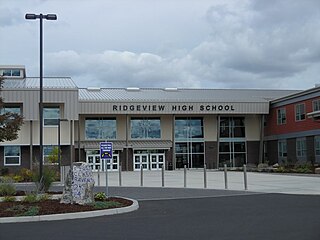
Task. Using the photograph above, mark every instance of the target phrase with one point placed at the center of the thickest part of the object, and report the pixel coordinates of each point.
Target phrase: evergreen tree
(10, 123)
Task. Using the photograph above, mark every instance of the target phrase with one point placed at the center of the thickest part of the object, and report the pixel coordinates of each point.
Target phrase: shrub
(9, 199)
(48, 175)
(30, 198)
(7, 189)
(43, 197)
(100, 196)
(32, 211)
(26, 174)
(104, 205)
(17, 178)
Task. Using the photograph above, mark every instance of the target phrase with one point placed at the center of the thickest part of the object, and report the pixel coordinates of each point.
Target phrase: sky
(273, 44)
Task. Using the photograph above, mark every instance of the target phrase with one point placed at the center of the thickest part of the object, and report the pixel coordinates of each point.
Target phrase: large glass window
(12, 155)
(281, 116)
(100, 128)
(316, 105)
(232, 127)
(232, 153)
(145, 128)
(317, 145)
(11, 72)
(51, 116)
(186, 128)
(300, 112)
(301, 147)
(189, 143)
(282, 148)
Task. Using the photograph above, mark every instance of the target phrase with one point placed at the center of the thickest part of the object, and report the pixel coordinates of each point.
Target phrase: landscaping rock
(79, 185)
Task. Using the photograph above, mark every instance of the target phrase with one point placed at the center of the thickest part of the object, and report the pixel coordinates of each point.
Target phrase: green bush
(49, 176)
(31, 198)
(43, 197)
(105, 205)
(7, 189)
(100, 196)
(32, 211)
(9, 199)
(4, 171)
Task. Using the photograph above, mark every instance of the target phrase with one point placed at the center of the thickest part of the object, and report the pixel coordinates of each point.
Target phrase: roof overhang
(314, 115)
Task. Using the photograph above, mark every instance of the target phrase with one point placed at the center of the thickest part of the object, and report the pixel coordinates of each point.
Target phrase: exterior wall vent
(133, 89)
(94, 89)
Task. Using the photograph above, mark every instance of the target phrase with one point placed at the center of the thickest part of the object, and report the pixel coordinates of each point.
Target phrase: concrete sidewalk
(257, 182)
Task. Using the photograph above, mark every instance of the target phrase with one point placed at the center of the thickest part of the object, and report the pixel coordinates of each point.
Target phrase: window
(301, 147)
(317, 145)
(145, 128)
(300, 112)
(232, 153)
(11, 72)
(51, 116)
(232, 127)
(282, 148)
(316, 105)
(281, 116)
(12, 155)
(100, 128)
(50, 155)
(186, 128)
(10, 109)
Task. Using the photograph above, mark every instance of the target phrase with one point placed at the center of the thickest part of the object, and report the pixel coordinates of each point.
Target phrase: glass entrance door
(96, 164)
(141, 159)
(157, 161)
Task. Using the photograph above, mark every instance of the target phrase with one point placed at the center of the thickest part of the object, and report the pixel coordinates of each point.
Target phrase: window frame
(316, 105)
(300, 115)
(145, 127)
(281, 145)
(281, 116)
(100, 126)
(317, 146)
(301, 147)
(57, 119)
(5, 157)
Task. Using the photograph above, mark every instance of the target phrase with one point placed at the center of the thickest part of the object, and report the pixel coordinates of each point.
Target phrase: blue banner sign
(106, 150)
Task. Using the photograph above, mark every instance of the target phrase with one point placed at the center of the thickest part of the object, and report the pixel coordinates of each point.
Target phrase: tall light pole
(30, 16)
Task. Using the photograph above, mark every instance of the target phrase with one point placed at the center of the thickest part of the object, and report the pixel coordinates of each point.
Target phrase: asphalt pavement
(245, 216)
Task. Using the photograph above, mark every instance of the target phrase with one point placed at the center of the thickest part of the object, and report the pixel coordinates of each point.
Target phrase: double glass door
(148, 161)
(96, 164)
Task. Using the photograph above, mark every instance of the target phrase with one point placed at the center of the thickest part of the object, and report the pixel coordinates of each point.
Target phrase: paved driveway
(249, 217)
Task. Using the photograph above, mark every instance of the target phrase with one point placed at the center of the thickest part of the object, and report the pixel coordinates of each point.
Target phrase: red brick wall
(291, 125)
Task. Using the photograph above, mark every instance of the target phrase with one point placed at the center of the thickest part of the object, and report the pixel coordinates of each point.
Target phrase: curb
(77, 215)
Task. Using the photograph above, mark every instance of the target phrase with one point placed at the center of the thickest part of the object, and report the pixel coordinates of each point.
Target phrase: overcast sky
(168, 43)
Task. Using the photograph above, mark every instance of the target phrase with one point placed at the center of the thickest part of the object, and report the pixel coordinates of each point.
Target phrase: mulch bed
(53, 207)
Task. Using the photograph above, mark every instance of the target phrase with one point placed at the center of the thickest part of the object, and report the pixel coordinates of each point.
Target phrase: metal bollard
(162, 175)
(245, 177)
(225, 177)
(120, 177)
(141, 176)
(205, 176)
(99, 177)
(185, 176)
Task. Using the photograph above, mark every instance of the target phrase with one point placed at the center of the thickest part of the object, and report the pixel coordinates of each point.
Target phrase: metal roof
(48, 82)
(180, 95)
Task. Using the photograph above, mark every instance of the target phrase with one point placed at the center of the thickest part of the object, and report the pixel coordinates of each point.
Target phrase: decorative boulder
(79, 185)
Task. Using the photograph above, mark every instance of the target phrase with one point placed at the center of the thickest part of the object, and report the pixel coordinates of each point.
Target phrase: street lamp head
(51, 17)
(31, 16)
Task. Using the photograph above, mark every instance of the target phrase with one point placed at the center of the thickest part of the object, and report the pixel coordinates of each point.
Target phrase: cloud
(10, 17)
(252, 44)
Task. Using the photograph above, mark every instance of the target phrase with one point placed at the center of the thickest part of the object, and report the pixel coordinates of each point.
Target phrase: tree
(10, 123)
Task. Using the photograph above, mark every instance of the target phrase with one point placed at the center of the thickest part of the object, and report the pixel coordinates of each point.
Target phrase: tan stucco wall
(252, 123)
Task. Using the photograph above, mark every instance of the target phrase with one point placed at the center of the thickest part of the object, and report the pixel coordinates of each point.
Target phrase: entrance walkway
(257, 182)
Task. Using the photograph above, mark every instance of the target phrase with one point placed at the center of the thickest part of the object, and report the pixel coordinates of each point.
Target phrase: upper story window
(282, 148)
(51, 116)
(301, 147)
(145, 128)
(281, 116)
(100, 128)
(316, 105)
(11, 73)
(12, 155)
(300, 112)
(10, 109)
(186, 128)
(232, 127)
